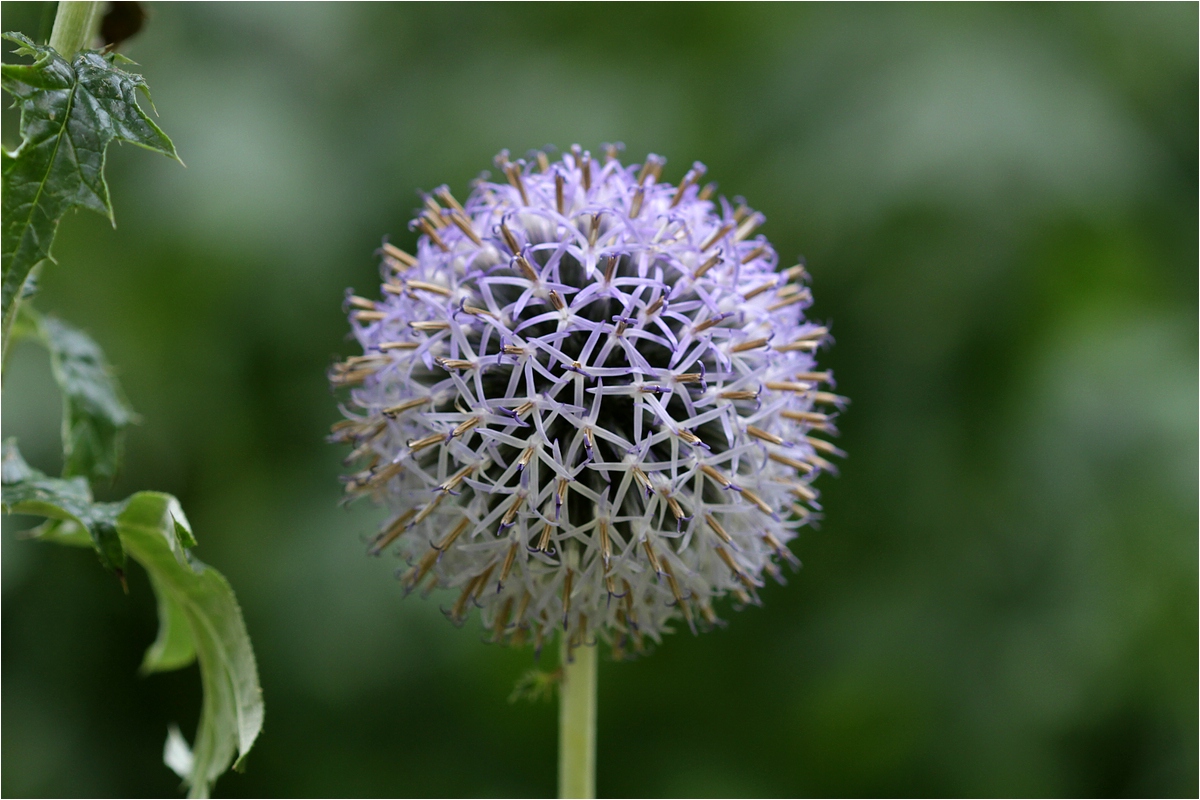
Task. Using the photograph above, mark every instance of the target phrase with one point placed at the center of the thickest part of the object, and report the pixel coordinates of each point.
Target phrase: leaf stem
(75, 27)
(577, 722)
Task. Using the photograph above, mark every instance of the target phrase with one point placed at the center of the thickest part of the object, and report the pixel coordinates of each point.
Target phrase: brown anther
(651, 168)
(585, 171)
(779, 458)
(640, 476)
(425, 286)
(394, 288)
(788, 386)
(443, 194)
(791, 301)
(825, 447)
(527, 269)
(453, 534)
(708, 191)
(687, 436)
(416, 445)
(670, 573)
(513, 350)
(741, 212)
(709, 615)
(741, 575)
(465, 426)
(475, 311)
(605, 544)
(692, 176)
(544, 542)
(405, 260)
(753, 254)
(523, 409)
(820, 377)
(513, 173)
(587, 435)
(810, 417)
(509, 558)
(391, 532)
(458, 612)
(717, 528)
(756, 500)
(620, 329)
(594, 230)
(610, 269)
(432, 233)
(716, 475)
(717, 236)
(654, 306)
(513, 509)
(651, 556)
(748, 225)
(759, 433)
(510, 241)
(430, 325)
(558, 193)
(708, 323)
(750, 345)
(556, 300)
(543, 162)
(811, 345)
(464, 225)
(351, 377)
(796, 273)
(566, 595)
(361, 302)
(369, 316)
(804, 492)
(689, 377)
(454, 363)
(385, 346)
(501, 621)
(454, 480)
(672, 503)
(635, 206)
(738, 394)
(757, 290)
(428, 509)
(830, 398)
(628, 597)
(526, 455)
(433, 209)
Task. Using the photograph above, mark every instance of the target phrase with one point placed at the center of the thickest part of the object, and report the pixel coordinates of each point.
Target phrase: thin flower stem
(577, 723)
(75, 26)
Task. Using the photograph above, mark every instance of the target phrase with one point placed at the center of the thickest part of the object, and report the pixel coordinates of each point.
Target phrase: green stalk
(75, 27)
(577, 723)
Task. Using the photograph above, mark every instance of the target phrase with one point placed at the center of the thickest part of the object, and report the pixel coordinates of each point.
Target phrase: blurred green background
(999, 206)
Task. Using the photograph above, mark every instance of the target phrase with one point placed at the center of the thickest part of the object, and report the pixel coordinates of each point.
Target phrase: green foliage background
(999, 206)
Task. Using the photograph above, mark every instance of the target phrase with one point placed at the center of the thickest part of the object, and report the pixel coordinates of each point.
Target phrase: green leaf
(174, 647)
(95, 411)
(70, 112)
(199, 615)
(25, 490)
(156, 533)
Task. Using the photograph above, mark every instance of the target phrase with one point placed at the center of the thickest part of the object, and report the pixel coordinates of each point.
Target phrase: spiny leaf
(199, 613)
(70, 112)
(95, 412)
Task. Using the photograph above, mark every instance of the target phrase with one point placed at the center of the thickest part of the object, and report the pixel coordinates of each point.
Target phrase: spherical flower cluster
(589, 401)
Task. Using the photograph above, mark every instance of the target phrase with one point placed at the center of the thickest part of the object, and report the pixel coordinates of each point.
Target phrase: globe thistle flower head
(590, 401)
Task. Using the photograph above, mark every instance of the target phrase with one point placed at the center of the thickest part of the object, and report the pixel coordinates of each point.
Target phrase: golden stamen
(716, 475)
(759, 433)
(399, 255)
(416, 445)
(385, 346)
(717, 528)
(738, 394)
(717, 236)
(391, 533)
(362, 302)
(750, 345)
(430, 325)
(369, 316)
